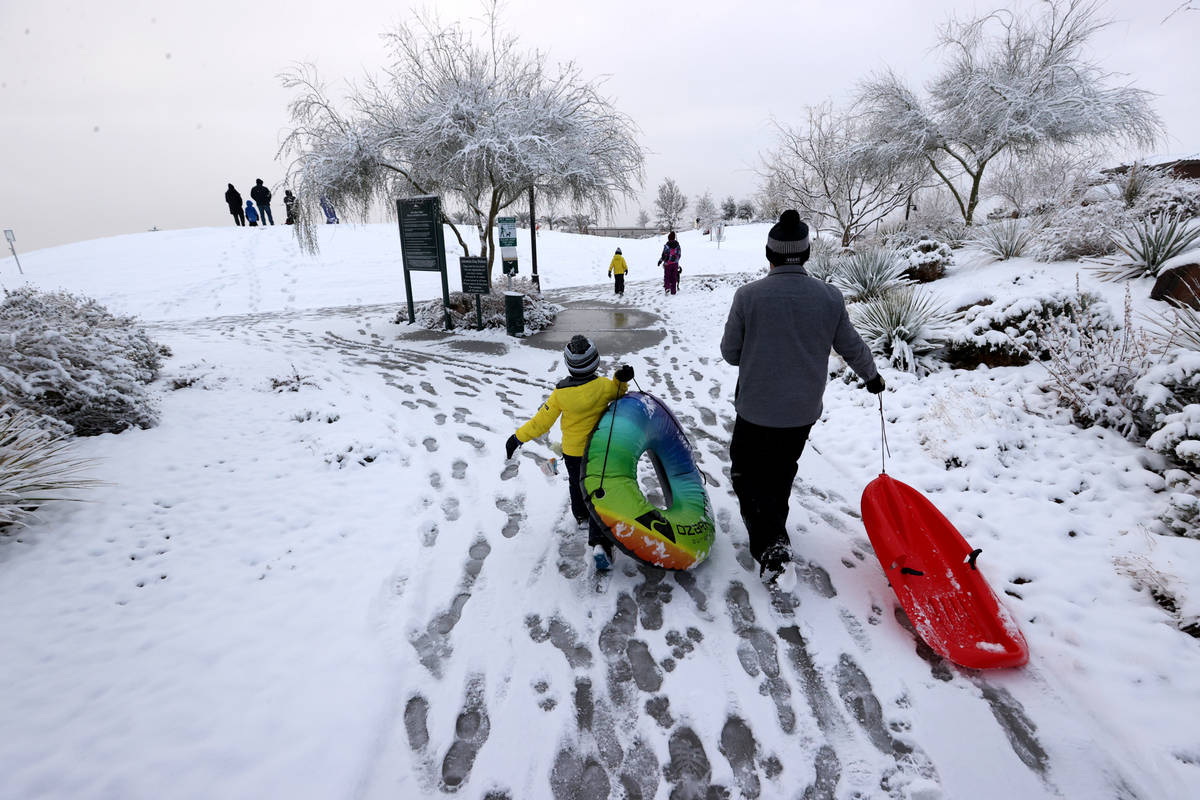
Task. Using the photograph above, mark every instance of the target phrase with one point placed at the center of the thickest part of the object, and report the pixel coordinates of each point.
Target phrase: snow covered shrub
(292, 382)
(35, 466)
(1078, 231)
(1004, 239)
(904, 325)
(67, 358)
(1149, 244)
(1170, 397)
(868, 273)
(1170, 197)
(539, 313)
(1010, 334)
(1093, 371)
(926, 259)
(820, 264)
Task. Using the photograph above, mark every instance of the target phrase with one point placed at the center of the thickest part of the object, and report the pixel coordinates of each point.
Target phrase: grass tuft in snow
(1005, 239)
(35, 466)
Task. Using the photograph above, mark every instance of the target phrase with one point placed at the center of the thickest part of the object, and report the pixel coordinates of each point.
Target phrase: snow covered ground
(344, 591)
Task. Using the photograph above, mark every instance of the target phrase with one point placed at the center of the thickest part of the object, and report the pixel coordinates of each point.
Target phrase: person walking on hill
(669, 261)
(262, 196)
(289, 205)
(581, 398)
(251, 214)
(616, 270)
(778, 334)
(233, 199)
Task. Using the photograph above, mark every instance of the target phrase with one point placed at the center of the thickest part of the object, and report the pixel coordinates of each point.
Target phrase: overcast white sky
(122, 115)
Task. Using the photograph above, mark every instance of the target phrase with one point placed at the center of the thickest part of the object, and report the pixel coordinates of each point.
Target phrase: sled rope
(884, 451)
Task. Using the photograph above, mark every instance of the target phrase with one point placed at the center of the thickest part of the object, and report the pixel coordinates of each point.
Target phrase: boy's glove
(875, 385)
(625, 373)
(511, 446)
(610, 273)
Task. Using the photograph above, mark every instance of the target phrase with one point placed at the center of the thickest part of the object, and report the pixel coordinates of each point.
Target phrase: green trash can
(514, 313)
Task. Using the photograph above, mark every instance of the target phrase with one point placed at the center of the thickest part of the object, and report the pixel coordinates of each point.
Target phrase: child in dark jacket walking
(581, 399)
(669, 261)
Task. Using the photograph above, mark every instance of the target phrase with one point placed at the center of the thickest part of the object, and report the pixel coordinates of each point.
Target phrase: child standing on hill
(581, 399)
(251, 214)
(618, 267)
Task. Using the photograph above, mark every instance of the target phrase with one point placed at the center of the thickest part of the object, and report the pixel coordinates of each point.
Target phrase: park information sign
(422, 244)
(508, 244)
(476, 280)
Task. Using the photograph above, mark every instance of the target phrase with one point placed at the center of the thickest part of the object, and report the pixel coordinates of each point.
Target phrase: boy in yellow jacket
(581, 399)
(618, 267)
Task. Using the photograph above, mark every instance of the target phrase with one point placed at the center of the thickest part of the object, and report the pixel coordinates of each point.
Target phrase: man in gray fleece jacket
(779, 334)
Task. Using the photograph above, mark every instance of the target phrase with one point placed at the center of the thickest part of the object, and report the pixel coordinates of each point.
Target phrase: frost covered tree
(729, 208)
(480, 123)
(745, 210)
(826, 170)
(1041, 181)
(670, 204)
(1011, 83)
(643, 219)
(706, 209)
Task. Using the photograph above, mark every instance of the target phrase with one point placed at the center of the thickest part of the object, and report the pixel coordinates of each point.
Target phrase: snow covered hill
(344, 590)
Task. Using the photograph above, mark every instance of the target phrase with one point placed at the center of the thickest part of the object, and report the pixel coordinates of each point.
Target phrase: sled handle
(970, 559)
(884, 452)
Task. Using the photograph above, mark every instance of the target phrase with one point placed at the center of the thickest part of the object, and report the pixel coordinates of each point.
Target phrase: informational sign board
(8, 234)
(423, 245)
(508, 231)
(421, 236)
(508, 244)
(475, 276)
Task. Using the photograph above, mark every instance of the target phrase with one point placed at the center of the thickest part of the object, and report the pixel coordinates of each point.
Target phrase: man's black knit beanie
(788, 242)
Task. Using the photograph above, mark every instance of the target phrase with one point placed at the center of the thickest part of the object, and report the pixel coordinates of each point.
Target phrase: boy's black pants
(763, 466)
(578, 506)
(619, 286)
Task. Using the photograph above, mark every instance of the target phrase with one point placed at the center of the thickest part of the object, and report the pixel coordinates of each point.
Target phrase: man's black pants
(763, 466)
(578, 506)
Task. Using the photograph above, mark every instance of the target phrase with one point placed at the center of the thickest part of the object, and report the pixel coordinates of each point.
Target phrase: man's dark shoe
(774, 559)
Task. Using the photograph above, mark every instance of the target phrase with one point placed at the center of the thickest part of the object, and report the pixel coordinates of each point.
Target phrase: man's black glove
(625, 373)
(511, 446)
(875, 385)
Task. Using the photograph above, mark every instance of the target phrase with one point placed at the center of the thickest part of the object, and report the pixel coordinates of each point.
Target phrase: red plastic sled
(932, 570)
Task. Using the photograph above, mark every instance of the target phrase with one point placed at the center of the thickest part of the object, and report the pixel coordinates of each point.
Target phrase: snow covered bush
(1170, 397)
(904, 325)
(1011, 333)
(1094, 369)
(1078, 231)
(1004, 239)
(820, 264)
(926, 259)
(35, 466)
(868, 273)
(539, 313)
(1150, 243)
(67, 358)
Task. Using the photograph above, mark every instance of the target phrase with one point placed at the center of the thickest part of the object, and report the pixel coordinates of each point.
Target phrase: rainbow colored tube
(679, 537)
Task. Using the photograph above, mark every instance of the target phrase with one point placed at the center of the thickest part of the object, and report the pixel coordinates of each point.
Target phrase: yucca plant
(905, 325)
(868, 273)
(36, 466)
(1005, 239)
(820, 264)
(1150, 244)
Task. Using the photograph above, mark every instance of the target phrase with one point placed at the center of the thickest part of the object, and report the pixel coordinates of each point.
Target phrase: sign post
(423, 246)
(537, 283)
(508, 246)
(8, 234)
(476, 280)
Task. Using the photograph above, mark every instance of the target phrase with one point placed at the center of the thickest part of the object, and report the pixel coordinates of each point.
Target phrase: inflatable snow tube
(677, 537)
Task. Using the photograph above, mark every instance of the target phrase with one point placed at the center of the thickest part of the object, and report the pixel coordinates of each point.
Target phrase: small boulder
(1179, 286)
